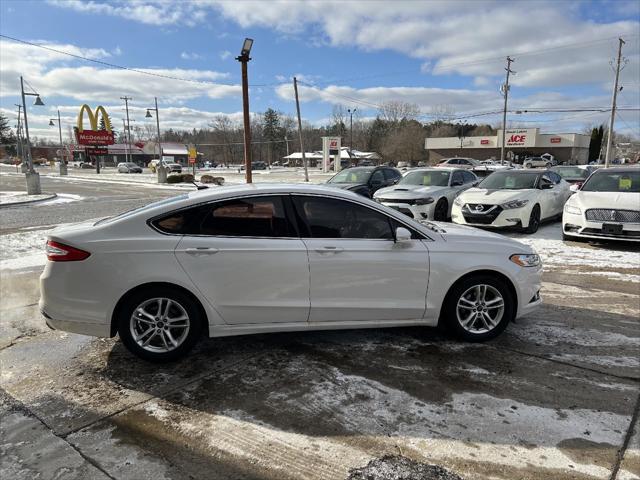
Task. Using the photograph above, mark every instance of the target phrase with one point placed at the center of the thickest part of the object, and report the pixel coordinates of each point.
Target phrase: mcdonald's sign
(94, 136)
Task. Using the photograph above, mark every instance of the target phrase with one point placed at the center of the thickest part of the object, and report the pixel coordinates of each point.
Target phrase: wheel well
(151, 286)
(493, 273)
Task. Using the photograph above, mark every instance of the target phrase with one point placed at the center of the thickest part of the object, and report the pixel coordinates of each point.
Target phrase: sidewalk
(11, 199)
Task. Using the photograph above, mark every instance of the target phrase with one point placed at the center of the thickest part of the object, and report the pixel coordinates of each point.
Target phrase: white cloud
(468, 38)
(190, 56)
(225, 54)
(52, 74)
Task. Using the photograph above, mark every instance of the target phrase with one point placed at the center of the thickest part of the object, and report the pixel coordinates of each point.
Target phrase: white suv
(532, 162)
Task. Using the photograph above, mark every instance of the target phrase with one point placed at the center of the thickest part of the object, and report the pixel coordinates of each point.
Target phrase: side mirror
(546, 186)
(575, 187)
(402, 235)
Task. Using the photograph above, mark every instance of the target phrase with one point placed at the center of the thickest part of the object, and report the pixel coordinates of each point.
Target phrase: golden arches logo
(93, 117)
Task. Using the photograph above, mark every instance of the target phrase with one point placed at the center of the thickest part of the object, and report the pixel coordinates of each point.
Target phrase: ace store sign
(520, 137)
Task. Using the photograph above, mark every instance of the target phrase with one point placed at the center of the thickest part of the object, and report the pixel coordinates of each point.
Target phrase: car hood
(408, 191)
(483, 239)
(617, 200)
(494, 197)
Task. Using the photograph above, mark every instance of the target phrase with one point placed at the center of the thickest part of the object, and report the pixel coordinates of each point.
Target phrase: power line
(121, 67)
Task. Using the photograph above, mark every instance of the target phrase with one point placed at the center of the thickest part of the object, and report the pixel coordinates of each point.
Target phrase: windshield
(603, 181)
(352, 175)
(509, 181)
(166, 201)
(428, 178)
(571, 172)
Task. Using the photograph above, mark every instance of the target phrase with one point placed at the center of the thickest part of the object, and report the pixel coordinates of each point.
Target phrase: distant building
(315, 158)
(569, 148)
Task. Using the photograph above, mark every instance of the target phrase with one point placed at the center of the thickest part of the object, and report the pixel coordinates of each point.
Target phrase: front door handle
(201, 251)
(329, 250)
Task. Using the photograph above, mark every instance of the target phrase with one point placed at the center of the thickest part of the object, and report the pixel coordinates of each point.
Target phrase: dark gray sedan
(129, 167)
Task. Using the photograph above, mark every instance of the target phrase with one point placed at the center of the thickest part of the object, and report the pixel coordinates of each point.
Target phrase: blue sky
(439, 55)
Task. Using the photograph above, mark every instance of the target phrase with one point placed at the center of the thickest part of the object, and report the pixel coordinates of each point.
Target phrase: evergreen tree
(102, 126)
(271, 130)
(595, 144)
(6, 135)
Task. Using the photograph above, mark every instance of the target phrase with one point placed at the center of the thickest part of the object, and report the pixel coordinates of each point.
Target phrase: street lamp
(162, 171)
(33, 178)
(20, 149)
(63, 166)
(244, 59)
(351, 112)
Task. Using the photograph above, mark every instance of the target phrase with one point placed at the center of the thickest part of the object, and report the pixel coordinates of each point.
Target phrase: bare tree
(442, 112)
(394, 111)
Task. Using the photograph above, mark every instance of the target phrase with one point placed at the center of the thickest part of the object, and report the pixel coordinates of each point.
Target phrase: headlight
(458, 202)
(514, 204)
(424, 201)
(525, 260)
(572, 209)
(378, 199)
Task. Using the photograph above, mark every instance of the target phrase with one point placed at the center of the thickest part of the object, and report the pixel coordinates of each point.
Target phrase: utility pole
(351, 112)
(128, 128)
(20, 149)
(304, 158)
(614, 98)
(505, 93)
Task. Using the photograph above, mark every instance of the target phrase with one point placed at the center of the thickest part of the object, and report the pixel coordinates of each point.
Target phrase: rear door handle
(329, 250)
(201, 251)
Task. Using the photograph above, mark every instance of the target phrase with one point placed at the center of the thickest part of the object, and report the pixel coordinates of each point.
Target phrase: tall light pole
(127, 129)
(244, 59)
(20, 149)
(351, 112)
(33, 177)
(162, 171)
(461, 134)
(63, 166)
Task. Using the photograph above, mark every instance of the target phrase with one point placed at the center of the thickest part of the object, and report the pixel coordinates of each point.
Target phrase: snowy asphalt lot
(556, 396)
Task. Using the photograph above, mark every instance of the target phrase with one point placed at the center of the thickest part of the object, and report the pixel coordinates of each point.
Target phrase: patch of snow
(603, 360)
(24, 249)
(61, 198)
(555, 333)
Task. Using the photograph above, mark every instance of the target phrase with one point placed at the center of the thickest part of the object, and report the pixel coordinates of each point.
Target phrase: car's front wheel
(159, 325)
(479, 308)
(441, 211)
(534, 220)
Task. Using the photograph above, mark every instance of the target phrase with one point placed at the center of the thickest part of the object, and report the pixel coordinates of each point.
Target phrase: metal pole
(128, 128)
(20, 149)
(244, 59)
(504, 112)
(26, 129)
(613, 105)
(304, 158)
(63, 166)
(158, 127)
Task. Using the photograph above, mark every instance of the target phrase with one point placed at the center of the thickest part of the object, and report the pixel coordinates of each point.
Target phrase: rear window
(135, 211)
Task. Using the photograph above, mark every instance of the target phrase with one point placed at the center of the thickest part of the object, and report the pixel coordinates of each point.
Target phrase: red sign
(192, 161)
(517, 139)
(95, 137)
(484, 142)
(97, 151)
(555, 140)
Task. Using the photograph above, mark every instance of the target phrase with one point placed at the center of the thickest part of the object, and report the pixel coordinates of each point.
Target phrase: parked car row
(520, 199)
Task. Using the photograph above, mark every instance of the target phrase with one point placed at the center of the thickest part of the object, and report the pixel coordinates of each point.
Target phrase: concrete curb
(26, 202)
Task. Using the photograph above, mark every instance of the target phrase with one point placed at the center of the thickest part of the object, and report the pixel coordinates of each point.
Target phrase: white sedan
(272, 258)
(427, 193)
(520, 199)
(607, 206)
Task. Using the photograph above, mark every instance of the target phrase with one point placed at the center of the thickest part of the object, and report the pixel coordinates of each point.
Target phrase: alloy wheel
(480, 308)
(159, 325)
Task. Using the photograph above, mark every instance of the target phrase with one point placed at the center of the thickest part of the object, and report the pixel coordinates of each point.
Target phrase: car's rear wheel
(527, 165)
(534, 220)
(441, 211)
(159, 325)
(479, 308)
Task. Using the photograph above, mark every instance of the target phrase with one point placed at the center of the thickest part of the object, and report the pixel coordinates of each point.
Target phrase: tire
(495, 301)
(160, 343)
(534, 220)
(527, 165)
(441, 212)
(547, 165)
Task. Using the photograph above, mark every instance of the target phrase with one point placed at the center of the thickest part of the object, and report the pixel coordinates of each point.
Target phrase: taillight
(59, 252)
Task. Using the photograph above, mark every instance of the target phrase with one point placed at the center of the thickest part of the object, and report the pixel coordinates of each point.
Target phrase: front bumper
(529, 284)
(497, 218)
(574, 225)
(418, 212)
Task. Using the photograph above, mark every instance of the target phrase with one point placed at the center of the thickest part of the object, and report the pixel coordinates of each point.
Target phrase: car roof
(629, 169)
